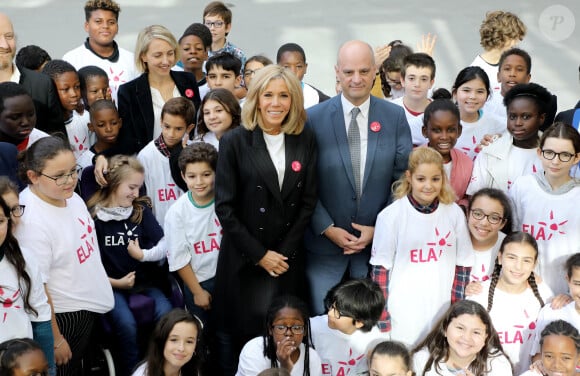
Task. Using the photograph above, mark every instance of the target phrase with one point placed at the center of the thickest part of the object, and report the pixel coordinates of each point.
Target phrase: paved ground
(260, 26)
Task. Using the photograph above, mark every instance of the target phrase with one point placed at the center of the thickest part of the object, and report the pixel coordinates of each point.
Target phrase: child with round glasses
(542, 203)
(344, 337)
(285, 343)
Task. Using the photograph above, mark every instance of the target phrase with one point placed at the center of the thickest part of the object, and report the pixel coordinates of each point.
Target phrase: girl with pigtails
(514, 296)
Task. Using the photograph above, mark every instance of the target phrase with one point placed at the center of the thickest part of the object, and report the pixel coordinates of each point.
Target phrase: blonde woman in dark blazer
(265, 195)
(141, 100)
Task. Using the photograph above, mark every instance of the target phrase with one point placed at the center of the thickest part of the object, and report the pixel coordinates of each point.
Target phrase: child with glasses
(286, 343)
(59, 231)
(543, 203)
(489, 213)
(345, 335)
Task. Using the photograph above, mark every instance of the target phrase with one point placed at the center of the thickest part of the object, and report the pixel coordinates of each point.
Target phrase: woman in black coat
(265, 196)
(141, 100)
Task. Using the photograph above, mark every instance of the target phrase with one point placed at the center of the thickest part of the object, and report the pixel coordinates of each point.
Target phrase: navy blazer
(136, 108)
(389, 145)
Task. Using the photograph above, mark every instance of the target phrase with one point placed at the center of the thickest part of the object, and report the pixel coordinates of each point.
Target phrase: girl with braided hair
(560, 351)
(513, 297)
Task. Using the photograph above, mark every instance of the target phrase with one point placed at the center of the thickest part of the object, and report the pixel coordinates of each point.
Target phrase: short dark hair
(110, 5)
(198, 152)
(361, 299)
(180, 106)
(290, 47)
(11, 89)
(534, 92)
(440, 105)
(561, 328)
(517, 51)
(225, 60)
(199, 30)
(32, 57)
(57, 67)
(392, 349)
(35, 157)
(102, 104)
(218, 8)
(419, 60)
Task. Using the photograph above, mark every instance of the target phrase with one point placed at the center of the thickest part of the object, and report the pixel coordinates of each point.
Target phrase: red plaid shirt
(380, 275)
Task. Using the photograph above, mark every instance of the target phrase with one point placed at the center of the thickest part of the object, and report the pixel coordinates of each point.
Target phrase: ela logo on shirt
(87, 240)
(545, 229)
(431, 253)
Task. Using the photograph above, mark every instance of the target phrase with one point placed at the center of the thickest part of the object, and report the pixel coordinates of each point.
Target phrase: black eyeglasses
(492, 218)
(63, 179)
(17, 210)
(336, 312)
(216, 24)
(283, 329)
(563, 156)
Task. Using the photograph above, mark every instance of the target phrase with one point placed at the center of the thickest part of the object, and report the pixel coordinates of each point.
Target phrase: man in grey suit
(363, 146)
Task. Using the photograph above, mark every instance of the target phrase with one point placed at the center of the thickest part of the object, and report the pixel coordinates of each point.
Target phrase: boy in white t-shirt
(343, 337)
(417, 78)
(193, 230)
(163, 178)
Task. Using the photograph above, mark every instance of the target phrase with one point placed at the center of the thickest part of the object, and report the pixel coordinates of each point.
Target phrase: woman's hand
(202, 299)
(284, 351)
(381, 54)
(62, 351)
(274, 263)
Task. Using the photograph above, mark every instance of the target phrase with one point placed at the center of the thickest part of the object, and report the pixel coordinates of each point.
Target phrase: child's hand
(134, 250)
(559, 301)
(284, 351)
(202, 300)
(62, 352)
(381, 54)
(473, 288)
(80, 107)
(101, 167)
(128, 281)
(109, 94)
(538, 367)
(427, 44)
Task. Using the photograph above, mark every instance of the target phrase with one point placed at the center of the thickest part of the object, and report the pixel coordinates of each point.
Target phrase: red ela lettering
(84, 252)
(202, 246)
(513, 337)
(167, 194)
(421, 256)
(537, 232)
(326, 370)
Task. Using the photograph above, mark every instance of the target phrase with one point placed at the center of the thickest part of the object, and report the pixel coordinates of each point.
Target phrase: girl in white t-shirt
(219, 112)
(544, 203)
(560, 351)
(175, 347)
(463, 342)
(470, 92)
(390, 358)
(59, 231)
(513, 297)
(421, 236)
(285, 344)
(488, 213)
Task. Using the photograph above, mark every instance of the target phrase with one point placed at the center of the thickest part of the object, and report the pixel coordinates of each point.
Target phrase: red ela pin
(375, 126)
(296, 166)
(189, 93)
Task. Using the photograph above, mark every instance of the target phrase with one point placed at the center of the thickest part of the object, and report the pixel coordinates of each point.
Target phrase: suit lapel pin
(296, 166)
(189, 93)
(375, 126)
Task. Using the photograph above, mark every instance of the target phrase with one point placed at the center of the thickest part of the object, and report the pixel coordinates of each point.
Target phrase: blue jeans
(125, 326)
(42, 333)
